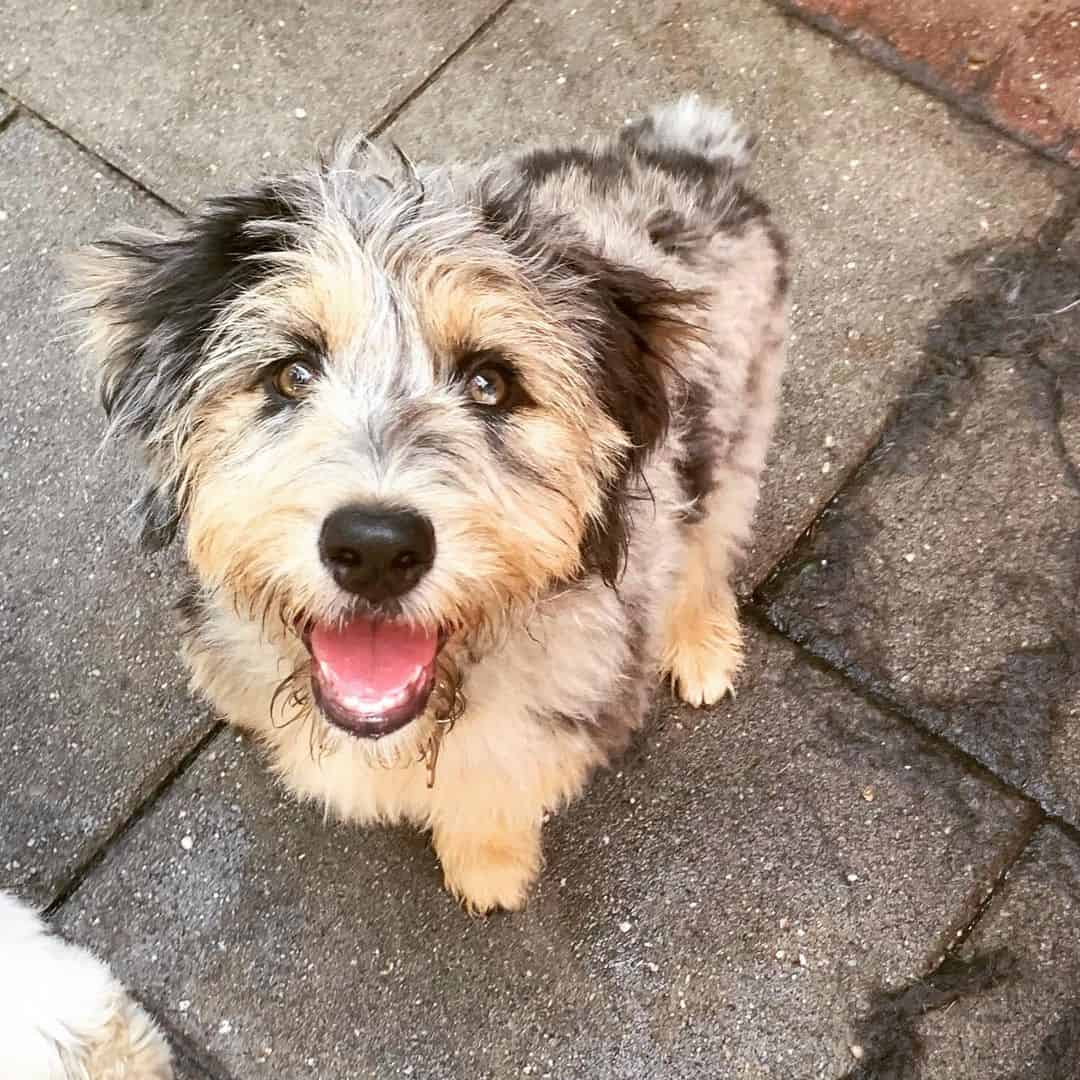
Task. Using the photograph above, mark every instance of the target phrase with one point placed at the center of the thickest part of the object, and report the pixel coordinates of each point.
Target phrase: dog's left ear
(636, 324)
(633, 324)
(637, 328)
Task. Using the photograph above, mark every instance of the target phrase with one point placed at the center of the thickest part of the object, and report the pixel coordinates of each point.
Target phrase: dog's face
(390, 420)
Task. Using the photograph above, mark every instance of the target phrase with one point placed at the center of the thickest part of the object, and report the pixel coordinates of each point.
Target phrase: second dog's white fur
(63, 1016)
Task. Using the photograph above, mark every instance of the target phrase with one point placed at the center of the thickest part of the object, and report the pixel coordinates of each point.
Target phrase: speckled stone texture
(1025, 950)
(1004, 1005)
(947, 578)
(191, 97)
(93, 709)
(866, 867)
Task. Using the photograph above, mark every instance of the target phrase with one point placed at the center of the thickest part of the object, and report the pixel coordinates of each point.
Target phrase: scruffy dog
(62, 1014)
(463, 457)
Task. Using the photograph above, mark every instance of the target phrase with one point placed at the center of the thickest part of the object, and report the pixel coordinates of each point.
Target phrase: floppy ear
(148, 303)
(634, 325)
(642, 325)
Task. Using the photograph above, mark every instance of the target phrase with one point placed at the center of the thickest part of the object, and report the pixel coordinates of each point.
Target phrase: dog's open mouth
(370, 676)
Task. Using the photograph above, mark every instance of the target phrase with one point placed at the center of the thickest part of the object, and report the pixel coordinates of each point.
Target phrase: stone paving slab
(190, 97)
(92, 703)
(1016, 63)
(1005, 1007)
(735, 894)
(948, 579)
(184, 1069)
(880, 187)
(1029, 942)
(7, 109)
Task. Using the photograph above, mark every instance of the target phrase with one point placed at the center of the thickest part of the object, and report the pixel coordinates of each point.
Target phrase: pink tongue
(368, 660)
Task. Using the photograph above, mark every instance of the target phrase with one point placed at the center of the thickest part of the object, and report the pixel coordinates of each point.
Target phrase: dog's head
(389, 415)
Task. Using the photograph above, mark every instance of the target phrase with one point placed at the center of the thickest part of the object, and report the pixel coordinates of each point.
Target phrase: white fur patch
(689, 124)
(62, 1014)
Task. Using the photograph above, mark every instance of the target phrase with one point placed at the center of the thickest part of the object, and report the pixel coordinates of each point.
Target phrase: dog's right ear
(148, 303)
(123, 308)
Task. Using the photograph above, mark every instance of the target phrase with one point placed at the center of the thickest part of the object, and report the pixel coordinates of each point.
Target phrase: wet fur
(585, 541)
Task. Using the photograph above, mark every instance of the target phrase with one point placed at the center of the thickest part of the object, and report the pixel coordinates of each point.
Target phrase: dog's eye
(294, 379)
(489, 386)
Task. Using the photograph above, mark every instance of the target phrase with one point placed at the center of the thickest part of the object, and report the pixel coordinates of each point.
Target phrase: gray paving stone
(880, 186)
(732, 895)
(1007, 1007)
(185, 1068)
(7, 108)
(949, 578)
(192, 97)
(92, 705)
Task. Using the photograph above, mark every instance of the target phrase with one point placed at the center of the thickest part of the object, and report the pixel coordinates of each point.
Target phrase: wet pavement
(867, 866)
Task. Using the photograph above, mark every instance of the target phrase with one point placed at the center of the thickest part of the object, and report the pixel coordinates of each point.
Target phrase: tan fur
(129, 1048)
(702, 640)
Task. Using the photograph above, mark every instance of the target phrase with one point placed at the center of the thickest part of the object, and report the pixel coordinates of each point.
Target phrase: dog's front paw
(490, 873)
(702, 657)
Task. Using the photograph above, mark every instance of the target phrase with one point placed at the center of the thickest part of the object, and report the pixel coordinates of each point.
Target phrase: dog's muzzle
(372, 675)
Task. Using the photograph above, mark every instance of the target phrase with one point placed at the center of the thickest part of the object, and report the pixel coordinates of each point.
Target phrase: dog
(62, 1014)
(464, 457)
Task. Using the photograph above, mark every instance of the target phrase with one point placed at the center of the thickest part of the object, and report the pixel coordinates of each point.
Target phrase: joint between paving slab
(958, 936)
(20, 107)
(931, 992)
(875, 694)
(433, 77)
(920, 75)
(187, 1051)
(23, 109)
(1050, 235)
(8, 119)
(89, 864)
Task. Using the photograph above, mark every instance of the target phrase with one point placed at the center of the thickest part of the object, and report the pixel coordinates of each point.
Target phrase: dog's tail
(689, 126)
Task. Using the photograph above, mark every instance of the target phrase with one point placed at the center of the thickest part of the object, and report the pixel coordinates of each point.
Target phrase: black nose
(376, 553)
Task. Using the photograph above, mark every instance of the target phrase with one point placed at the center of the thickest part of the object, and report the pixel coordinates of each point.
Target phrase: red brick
(1015, 61)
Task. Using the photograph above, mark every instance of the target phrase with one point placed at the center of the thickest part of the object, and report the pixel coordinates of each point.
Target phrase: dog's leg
(490, 869)
(503, 771)
(702, 640)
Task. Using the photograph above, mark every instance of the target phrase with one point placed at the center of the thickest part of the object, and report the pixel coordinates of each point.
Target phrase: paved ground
(1015, 63)
(866, 867)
